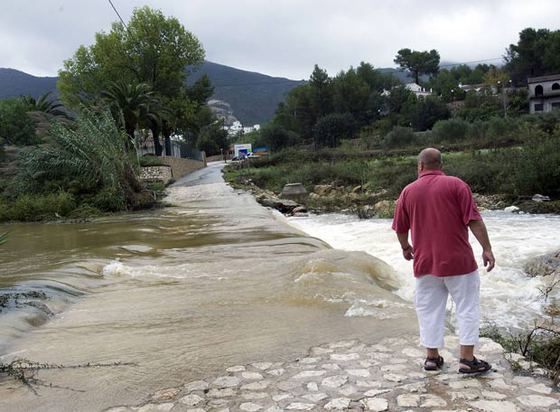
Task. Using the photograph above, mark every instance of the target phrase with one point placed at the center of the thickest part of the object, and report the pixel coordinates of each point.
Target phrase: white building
(544, 93)
(418, 90)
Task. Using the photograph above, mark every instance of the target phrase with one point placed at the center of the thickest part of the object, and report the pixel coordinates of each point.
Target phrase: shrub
(150, 160)
(16, 126)
(277, 137)
(30, 207)
(399, 137)
(88, 158)
(451, 130)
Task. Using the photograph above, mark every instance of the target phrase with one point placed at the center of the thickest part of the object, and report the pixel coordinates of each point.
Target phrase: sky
(281, 37)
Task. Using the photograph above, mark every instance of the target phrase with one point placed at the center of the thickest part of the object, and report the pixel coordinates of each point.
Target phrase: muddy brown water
(181, 292)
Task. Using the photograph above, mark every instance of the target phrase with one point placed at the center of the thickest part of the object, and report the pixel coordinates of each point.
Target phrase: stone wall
(156, 174)
(181, 167)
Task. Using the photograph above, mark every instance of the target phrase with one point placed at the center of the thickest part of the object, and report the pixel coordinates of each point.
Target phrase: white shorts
(430, 299)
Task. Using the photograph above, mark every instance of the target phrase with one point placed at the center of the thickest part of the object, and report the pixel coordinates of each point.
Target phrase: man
(439, 210)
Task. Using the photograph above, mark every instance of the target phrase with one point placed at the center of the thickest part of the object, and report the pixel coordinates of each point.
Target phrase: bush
(90, 158)
(150, 160)
(451, 130)
(37, 207)
(277, 137)
(398, 137)
(16, 126)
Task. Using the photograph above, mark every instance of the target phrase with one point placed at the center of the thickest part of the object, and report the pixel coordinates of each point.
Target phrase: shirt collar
(431, 172)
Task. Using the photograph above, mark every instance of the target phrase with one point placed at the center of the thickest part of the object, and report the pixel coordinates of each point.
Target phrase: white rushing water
(509, 298)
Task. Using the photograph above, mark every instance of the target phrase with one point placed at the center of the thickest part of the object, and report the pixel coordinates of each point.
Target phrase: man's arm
(478, 228)
(408, 252)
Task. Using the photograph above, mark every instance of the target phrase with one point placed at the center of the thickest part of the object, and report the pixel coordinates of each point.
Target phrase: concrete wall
(180, 167)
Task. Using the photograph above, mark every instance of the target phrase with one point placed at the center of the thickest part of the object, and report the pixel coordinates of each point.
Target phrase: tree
(321, 92)
(426, 112)
(418, 62)
(277, 137)
(153, 49)
(332, 128)
(16, 126)
(535, 54)
(46, 105)
(212, 138)
(128, 102)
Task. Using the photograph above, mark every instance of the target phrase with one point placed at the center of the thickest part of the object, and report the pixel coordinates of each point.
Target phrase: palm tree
(128, 103)
(46, 104)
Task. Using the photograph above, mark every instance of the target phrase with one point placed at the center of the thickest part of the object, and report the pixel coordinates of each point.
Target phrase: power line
(118, 15)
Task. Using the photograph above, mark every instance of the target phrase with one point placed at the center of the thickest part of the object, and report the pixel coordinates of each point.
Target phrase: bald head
(429, 159)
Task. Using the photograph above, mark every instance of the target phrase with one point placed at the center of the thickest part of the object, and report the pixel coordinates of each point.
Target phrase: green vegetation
(131, 79)
(3, 238)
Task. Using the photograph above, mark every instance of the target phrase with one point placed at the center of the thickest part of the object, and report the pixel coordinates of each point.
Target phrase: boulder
(294, 191)
(323, 190)
(511, 209)
(540, 198)
(385, 209)
(544, 265)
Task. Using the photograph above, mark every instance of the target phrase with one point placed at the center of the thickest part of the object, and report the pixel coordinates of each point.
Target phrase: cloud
(282, 37)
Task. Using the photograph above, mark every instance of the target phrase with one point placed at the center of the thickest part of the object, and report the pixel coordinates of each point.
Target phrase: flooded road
(181, 292)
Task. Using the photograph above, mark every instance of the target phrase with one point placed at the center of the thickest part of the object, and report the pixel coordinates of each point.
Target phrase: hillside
(16, 83)
(252, 96)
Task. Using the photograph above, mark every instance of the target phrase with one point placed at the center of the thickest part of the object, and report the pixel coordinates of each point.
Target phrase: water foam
(509, 297)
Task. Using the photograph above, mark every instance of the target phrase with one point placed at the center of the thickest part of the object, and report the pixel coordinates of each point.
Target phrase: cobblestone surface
(353, 376)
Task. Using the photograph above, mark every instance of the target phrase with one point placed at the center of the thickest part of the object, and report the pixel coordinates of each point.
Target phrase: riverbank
(344, 181)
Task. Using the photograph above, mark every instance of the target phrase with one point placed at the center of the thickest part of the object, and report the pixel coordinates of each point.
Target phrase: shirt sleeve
(401, 223)
(467, 204)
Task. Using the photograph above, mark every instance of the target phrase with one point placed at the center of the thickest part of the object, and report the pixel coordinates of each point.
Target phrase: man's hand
(488, 260)
(408, 253)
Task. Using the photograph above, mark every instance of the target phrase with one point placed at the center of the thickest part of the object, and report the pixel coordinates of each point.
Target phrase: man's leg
(430, 299)
(465, 291)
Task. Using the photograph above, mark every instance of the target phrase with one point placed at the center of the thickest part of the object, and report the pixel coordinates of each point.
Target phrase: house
(418, 90)
(544, 93)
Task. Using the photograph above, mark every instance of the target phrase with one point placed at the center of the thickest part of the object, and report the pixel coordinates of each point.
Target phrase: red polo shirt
(437, 208)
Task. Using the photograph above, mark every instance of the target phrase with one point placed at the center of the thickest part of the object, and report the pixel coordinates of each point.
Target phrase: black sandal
(433, 364)
(473, 366)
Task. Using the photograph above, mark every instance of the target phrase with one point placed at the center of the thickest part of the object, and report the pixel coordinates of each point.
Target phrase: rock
(323, 190)
(540, 198)
(165, 394)
(362, 373)
(250, 407)
(156, 407)
(251, 396)
(299, 210)
(299, 406)
(226, 381)
(312, 386)
(281, 397)
(338, 403)
(492, 395)
(221, 393)
(544, 265)
(196, 386)
(385, 209)
(537, 401)
(376, 404)
(262, 365)
(407, 400)
(256, 386)
(251, 375)
(431, 401)
(294, 191)
(541, 388)
(393, 377)
(335, 381)
(238, 368)
(512, 209)
(494, 406)
(309, 374)
(344, 357)
(276, 372)
(365, 212)
(191, 400)
(315, 397)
